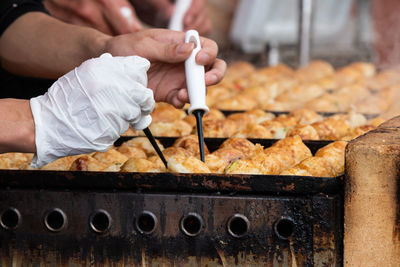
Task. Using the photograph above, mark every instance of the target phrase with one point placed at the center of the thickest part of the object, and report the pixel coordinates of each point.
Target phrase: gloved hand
(88, 108)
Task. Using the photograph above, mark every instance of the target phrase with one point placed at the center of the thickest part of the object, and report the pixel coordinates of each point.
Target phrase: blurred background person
(122, 16)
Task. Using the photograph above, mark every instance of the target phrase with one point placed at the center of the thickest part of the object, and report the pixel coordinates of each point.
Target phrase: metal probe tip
(153, 142)
(199, 121)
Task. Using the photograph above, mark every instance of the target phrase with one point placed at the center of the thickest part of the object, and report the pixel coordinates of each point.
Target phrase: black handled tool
(153, 142)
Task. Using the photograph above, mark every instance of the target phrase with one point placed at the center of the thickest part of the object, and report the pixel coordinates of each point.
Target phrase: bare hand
(167, 52)
(112, 17)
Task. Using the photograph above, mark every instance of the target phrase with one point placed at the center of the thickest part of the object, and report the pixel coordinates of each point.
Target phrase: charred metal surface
(328, 237)
(164, 182)
(314, 232)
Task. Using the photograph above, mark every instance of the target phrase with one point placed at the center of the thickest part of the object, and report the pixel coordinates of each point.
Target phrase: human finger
(121, 17)
(208, 52)
(216, 73)
(195, 8)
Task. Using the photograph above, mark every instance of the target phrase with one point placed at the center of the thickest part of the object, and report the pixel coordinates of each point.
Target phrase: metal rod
(153, 142)
(304, 31)
(199, 121)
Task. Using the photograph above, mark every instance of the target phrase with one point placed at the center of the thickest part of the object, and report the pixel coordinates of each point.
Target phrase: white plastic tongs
(195, 81)
(180, 8)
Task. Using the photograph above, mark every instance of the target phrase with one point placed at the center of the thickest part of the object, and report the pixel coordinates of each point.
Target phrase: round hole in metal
(284, 228)
(100, 221)
(192, 224)
(238, 225)
(10, 219)
(146, 222)
(55, 220)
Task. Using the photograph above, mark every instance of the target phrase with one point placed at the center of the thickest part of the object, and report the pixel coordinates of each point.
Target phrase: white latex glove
(88, 108)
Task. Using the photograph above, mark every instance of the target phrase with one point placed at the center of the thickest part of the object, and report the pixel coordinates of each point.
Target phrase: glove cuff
(143, 123)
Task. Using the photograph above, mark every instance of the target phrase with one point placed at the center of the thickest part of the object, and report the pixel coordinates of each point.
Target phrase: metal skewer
(199, 121)
(153, 142)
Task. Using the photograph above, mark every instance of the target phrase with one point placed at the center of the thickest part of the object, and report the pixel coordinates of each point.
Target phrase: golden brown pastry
(164, 112)
(243, 166)
(214, 114)
(182, 164)
(282, 106)
(221, 158)
(87, 163)
(301, 93)
(191, 120)
(61, 164)
(327, 103)
(220, 128)
(261, 94)
(314, 71)
(296, 171)
(332, 128)
(215, 164)
(238, 102)
(255, 131)
(286, 120)
(239, 69)
(259, 115)
(242, 119)
(317, 166)
(241, 144)
(306, 132)
(376, 121)
(357, 131)
(191, 144)
(110, 157)
(170, 129)
(276, 129)
(144, 144)
(131, 151)
(131, 132)
(334, 155)
(15, 160)
(305, 116)
(280, 70)
(282, 155)
(140, 165)
(217, 93)
(228, 155)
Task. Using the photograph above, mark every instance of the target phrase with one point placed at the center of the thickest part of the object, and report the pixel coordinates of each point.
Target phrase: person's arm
(17, 127)
(112, 17)
(38, 45)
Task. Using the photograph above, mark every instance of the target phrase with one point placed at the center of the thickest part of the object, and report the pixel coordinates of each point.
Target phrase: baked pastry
(164, 112)
(334, 155)
(61, 164)
(243, 166)
(306, 132)
(182, 164)
(144, 144)
(111, 156)
(220, 128)
(305, 116)
(131, 151)
(170, 129)
(140, 165)
(241, 144)
(87, 163)
(15, 160)
(191, 144)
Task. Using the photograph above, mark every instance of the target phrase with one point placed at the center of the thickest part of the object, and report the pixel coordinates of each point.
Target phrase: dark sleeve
(10, 10)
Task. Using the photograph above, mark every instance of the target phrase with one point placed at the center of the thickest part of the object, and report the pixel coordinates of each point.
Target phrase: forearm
(17, 127)
(38, 45)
